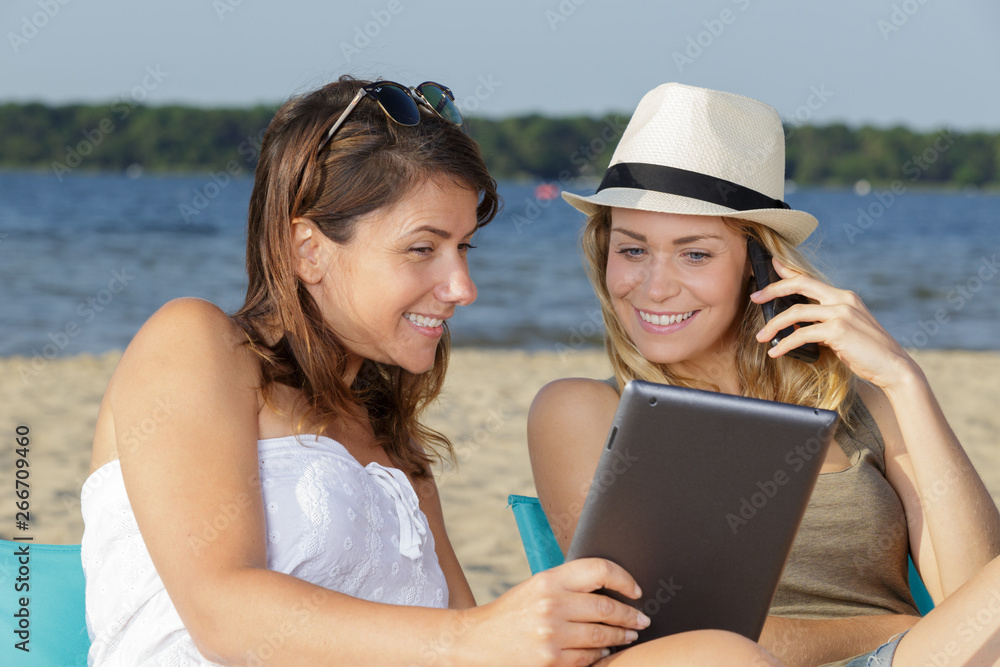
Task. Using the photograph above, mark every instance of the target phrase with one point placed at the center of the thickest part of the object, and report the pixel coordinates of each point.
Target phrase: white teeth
(422, 321)
(662, 320)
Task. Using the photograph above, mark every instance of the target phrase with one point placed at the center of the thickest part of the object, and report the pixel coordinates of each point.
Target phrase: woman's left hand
(841, 322)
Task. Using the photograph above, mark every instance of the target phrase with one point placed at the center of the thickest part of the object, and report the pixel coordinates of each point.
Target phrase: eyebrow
(634, 235)
(443, 233)
(697, 237)
(680, 241)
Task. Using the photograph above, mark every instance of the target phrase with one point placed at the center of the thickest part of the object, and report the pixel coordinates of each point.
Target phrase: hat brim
(795, 226)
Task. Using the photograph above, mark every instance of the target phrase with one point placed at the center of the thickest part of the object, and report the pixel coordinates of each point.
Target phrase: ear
(747, 264)
(309, 252)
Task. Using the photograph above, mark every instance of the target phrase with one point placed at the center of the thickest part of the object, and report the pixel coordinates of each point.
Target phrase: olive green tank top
(849, 556)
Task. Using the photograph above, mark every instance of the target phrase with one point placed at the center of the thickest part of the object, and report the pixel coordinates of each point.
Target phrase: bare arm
(567, 426)
(953, 522)
(459, 593)
(202, 457)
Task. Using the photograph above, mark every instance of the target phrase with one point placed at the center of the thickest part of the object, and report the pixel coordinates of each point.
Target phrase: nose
(457, 287)
(660, 282)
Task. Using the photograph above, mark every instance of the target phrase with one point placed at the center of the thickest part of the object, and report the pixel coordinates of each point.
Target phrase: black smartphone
(763, 275)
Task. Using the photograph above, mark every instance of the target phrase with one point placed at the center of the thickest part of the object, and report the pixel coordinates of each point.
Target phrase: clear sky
(922, 63)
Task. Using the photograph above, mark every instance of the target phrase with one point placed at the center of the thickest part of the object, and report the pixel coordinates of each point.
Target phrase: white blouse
(329, 520)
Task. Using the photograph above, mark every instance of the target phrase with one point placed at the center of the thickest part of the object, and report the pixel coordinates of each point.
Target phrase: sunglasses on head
(400, 104)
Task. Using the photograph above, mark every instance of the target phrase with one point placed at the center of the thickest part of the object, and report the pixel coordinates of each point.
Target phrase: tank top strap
(611, 382)
(862, 435)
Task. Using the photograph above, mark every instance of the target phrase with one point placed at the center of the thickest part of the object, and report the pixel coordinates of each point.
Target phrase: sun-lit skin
(667, 264)
(405, 263)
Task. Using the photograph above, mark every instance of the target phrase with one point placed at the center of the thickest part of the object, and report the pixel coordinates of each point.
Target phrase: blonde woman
(696, 174)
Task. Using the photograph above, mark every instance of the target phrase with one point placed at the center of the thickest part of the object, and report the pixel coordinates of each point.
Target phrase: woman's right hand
(556, 618)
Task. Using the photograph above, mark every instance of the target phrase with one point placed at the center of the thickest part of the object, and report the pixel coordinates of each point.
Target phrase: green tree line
(114, 137)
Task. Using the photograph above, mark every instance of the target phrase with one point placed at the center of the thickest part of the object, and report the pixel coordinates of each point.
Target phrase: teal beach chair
(543, 551)
(53, 620)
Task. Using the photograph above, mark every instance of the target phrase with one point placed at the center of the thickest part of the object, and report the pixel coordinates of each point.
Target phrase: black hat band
(676, 181)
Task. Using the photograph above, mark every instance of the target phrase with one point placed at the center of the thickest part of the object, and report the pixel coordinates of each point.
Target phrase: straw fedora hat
(701, 152)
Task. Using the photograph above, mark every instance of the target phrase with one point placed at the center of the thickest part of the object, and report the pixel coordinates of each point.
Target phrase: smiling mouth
(665, 319)
(422, 321)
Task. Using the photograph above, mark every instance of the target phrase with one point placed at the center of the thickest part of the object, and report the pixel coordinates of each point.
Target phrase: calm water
(85, 261)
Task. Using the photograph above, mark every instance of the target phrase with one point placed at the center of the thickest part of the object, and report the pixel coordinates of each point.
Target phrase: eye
(631, 253)
(697, 256)
(421, 251)
(466, 247)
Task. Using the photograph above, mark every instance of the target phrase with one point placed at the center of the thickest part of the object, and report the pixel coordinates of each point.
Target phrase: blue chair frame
(543, 551)
(50, 579)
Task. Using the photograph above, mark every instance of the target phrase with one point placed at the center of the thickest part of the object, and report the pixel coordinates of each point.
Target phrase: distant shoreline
(582, 183)
(182, 139)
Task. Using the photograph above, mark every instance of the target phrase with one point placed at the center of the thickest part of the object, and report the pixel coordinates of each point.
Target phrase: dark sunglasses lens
(398, 104)
(441, 102)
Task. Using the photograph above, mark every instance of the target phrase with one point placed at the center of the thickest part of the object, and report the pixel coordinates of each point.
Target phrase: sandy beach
(483, 411)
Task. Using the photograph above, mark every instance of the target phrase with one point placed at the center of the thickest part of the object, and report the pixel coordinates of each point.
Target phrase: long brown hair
(827, 384)
(371, 163)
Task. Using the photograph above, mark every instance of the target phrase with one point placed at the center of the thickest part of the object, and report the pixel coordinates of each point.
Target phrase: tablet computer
(698, 495)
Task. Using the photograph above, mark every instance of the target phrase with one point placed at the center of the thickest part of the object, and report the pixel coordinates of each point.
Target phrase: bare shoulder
(571, 414)
(191, 344)
(187, 358)
(186, 334)
(873, 397)
(885, 417)
(573, 397)
(190, 321)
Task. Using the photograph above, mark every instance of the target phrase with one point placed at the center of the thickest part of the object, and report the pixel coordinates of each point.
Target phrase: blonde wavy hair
(827, 384)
